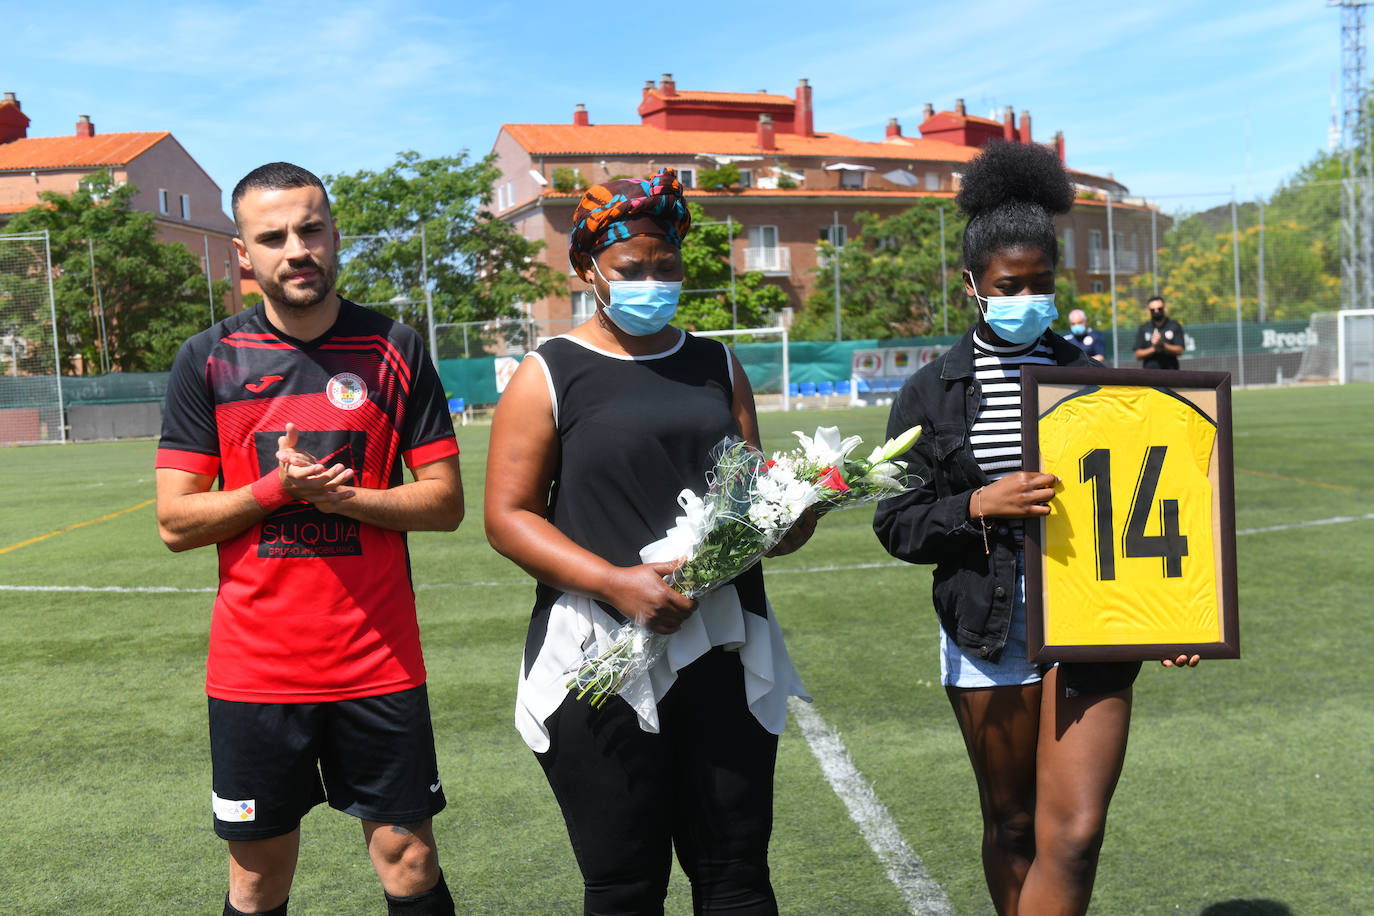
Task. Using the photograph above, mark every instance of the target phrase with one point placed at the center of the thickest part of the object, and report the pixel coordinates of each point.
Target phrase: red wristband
(269, 493)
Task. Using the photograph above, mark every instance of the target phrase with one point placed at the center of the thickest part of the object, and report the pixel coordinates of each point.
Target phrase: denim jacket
(972, 589)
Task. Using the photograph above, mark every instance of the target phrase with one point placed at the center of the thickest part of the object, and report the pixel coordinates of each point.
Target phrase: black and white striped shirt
(996, 433)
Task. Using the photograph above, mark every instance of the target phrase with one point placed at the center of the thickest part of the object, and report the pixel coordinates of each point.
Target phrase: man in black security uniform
(1159, 341)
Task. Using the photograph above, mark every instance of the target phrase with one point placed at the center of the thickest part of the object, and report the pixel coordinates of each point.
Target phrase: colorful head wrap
(625, 208)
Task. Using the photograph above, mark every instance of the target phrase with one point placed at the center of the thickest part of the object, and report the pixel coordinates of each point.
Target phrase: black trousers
(703, 785)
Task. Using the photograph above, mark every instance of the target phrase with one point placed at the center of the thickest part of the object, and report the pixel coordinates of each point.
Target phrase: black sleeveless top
(633, 433)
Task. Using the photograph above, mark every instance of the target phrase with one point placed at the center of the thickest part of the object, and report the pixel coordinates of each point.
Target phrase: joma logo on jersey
(346, 391)
(309, 533)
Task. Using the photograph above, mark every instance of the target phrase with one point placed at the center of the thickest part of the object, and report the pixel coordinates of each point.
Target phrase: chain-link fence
(1252, 282)
(30, 387)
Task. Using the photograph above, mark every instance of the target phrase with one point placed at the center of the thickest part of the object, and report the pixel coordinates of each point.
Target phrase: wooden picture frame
(1144, 566)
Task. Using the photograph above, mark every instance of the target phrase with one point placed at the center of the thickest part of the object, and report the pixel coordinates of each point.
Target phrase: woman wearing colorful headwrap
(597, 433)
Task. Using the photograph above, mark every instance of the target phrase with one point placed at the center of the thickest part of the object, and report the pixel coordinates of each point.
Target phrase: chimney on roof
(959, 107)
(767, 137)
(927, 113)
(14, 124)
(84, 127)
(648, 87)
(802, 123)
(667, 86)
(1025, 126)
(893, 128)
(1008, 125)
(1059, 145)
(580, 116)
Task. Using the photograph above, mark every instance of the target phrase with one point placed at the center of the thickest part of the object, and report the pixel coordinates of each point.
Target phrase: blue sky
(1172, 97)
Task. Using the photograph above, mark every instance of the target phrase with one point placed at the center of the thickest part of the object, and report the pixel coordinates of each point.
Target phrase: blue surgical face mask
(639, 307)
(1079, 329)
(1017, 319)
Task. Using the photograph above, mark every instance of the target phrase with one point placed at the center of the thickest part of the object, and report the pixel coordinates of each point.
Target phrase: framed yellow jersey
(1136, 559)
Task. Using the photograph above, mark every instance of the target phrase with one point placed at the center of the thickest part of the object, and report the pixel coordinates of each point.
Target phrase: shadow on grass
(1248, 908)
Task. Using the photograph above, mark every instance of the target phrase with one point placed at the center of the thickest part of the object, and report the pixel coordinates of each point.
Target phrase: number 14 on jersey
(1170, 545)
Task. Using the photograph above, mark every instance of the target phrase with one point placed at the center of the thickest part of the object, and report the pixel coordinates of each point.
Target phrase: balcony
(772, 262)
(1127, 262)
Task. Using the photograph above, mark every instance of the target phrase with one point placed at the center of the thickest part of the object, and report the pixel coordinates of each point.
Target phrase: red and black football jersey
(311, 606)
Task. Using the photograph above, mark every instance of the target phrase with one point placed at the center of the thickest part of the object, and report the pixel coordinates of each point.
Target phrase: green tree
(479, 267)
(706, 265)
(1301, 236)
(719, 179)
(889, 278)
(153, 293)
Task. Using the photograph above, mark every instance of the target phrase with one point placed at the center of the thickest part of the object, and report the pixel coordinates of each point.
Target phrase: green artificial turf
(1248, 785)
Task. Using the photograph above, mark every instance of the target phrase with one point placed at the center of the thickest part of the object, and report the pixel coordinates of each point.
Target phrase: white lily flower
(885, 474)
(826, 447)
(896, 446)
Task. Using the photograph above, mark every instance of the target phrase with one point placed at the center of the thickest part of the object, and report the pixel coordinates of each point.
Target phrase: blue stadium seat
(825, 388)
(864, 386)
(792, 390)
(842, 386)
(807, 389)
(456, 405)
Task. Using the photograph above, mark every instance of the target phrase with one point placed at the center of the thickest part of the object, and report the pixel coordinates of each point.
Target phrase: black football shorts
(371, 757)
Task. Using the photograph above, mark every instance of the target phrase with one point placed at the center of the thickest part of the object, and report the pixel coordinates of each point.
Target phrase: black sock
(436, 901)
(229, 909)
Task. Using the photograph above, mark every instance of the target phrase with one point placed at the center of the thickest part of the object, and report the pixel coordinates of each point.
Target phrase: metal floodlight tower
(1357, 162)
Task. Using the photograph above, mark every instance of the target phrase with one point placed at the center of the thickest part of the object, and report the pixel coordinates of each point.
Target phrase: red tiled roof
(77, 152)
(725, 98)
(639, 139)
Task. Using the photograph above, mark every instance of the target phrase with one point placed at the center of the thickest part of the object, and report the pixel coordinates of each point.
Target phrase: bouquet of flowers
(843, 481)
(749, 505)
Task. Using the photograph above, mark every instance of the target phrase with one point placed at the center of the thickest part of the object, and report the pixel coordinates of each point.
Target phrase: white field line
(922, 895)
(504, 583)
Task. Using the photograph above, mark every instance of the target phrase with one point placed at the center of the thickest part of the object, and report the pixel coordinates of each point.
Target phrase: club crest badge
(346, 391)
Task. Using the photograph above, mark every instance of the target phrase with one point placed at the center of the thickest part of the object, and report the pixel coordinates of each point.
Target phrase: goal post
(30, 380)
(778, 331)
(1341, 348)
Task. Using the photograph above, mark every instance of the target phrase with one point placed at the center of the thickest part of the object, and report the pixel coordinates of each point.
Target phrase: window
(688, 177)
(1094, 239)
(510, 193)
(1119, 240)
(746, 178)
(583, 306)
(1097, 286)
(1068, 249)
(186, 206)
(500, 197)
(162, 205)
(932, 181)
(763, 252)
(839, 235)
(851, 179)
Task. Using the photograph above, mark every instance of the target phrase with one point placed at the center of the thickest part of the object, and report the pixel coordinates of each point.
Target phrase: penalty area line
(904, 869)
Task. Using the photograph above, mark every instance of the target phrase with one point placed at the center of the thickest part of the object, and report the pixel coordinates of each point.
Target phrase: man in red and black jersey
(303, 408)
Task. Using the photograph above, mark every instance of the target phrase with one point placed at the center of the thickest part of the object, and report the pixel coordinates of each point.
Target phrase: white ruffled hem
(720, 620)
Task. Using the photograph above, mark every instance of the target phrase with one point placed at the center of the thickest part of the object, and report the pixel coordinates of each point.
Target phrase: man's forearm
(422, 505)
(191, 520)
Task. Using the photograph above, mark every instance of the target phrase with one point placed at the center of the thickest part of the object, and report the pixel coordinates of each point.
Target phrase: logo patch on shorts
(346, 391)
(234, 810)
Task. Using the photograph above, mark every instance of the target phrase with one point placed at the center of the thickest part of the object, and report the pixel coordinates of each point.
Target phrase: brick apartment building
(794, 180)
(171, 186)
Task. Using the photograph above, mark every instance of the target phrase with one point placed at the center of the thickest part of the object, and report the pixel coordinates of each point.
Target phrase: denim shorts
(960, 669)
